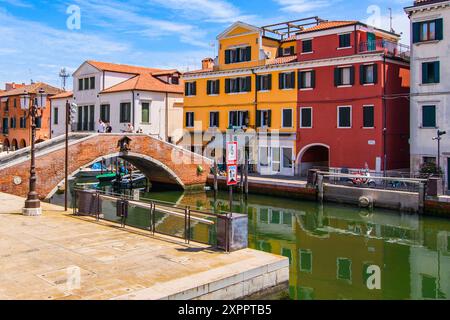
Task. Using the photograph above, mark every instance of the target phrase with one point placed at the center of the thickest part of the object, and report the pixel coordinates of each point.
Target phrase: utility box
(232, 232)
(89, 203)
(434, 187)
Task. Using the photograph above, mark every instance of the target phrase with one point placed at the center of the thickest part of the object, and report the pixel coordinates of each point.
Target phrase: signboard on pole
(232, 153)
(232, 175)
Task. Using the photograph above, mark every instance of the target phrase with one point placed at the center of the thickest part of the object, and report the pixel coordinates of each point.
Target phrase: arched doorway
(313, 156)
(14, 145)
(6, 144)
(23, 144)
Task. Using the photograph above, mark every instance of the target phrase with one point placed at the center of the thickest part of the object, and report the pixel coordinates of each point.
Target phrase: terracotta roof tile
(199, 71)
(328, 25)
(62, 95)
(122, 68)
(145, 82)
(32, 88)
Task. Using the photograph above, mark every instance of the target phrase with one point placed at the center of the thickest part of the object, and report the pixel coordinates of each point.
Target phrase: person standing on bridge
(101, 126)
(108, 128)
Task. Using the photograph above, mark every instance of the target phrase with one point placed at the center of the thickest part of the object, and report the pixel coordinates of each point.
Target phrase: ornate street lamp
(438, 138)
(33, 109)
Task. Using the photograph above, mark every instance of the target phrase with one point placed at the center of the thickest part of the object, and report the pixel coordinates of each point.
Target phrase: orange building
(15, 127)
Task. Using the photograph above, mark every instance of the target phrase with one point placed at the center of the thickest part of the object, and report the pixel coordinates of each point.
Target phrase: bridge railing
(158, 217)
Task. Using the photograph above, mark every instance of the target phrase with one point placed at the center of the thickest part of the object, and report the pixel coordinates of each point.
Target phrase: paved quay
(58, 256)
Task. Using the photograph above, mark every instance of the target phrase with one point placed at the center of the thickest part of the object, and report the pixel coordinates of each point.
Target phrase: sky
(39, 37)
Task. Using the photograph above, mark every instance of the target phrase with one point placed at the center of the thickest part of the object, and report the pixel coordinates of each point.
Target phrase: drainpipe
(356, 39)
(103, 80)
(133, 107)
(256, 96)
(167, 118)
(384, 116)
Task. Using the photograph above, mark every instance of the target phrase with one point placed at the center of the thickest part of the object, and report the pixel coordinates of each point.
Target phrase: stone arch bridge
(161, 162)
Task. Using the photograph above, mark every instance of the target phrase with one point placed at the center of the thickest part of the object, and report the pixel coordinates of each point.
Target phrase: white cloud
(18, 3)
(219, 11)
(301, 6)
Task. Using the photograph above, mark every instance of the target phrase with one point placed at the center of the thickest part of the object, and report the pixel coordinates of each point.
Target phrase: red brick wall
(50, 167)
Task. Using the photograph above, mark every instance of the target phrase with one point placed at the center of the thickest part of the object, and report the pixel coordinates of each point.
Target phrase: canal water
(336, 251)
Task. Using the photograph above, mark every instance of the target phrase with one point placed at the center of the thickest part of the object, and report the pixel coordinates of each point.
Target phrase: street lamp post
(70, 111)
(439, 138)
(33, 109)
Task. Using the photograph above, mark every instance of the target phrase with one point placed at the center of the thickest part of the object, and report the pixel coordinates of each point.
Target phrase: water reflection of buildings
(330, 249)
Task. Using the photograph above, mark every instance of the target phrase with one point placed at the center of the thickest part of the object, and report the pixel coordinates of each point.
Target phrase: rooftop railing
(391, 48)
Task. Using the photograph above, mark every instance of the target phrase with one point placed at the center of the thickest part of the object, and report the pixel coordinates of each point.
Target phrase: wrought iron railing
(389, 47)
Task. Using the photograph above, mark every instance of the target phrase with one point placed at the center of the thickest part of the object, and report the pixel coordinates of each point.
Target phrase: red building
(353, 98)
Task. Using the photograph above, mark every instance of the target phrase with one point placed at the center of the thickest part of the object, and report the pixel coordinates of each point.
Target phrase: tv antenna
(64, 76)
(390, 20)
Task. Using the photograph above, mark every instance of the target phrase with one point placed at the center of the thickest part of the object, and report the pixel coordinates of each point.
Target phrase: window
(125, 112)
(287, 118)
(175, 80)
(430, 72)
(428, 30)
(307, 46)
(86, 83)
(212, 87)
(237, 55)
(264, 82)
(285, 252)
(287, 80)
(264, 156)
(39, 122)
(7, 104)
(429, 160)
(145, 112)
(344, 269)
(55, 115)
(429, 116)
(344, 40)
(263, 118)
(307, 79)
(15, 103)
(305, 117)
(92, 83)
(305, 260)
(214, 119)
(189, 119)
(288, 51)
(23, 122)
(368, 74)
(105, 113)
(238, 119)
(344, 76)
(190, 89)
(237, 85)
(5, 126)
(287, 158)
(80, 85)
(368, 117)
(344, 117)
(13, 123)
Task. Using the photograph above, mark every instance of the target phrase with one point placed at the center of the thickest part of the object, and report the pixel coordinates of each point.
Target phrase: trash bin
(434, 187)
(232, 230)
(88, 202)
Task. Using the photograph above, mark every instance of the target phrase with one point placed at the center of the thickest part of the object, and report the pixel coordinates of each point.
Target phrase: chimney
(13, 85)
(207, 64)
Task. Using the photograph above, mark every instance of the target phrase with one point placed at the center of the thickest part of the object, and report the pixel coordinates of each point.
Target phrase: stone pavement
(58, 256)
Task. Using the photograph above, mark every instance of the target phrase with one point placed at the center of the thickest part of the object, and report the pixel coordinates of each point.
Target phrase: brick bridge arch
(161, 162)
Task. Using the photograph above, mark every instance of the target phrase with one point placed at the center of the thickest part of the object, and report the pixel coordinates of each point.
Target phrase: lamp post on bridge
(33, 109)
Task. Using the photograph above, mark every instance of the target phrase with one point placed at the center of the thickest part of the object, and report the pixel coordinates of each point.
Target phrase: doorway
(316, 156)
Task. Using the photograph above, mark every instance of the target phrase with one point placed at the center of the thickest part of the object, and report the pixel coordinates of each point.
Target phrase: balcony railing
(389, 47)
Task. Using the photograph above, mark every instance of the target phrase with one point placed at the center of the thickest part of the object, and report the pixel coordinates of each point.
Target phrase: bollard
(320, 187)
(421, 197)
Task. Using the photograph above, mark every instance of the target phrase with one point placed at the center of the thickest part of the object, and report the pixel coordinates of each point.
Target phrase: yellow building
(252, 86)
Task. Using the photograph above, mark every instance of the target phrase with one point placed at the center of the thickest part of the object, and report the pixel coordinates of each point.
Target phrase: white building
(149, 99)
(430, 82)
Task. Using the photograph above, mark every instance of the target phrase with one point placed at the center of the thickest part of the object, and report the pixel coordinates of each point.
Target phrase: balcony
(390, 48)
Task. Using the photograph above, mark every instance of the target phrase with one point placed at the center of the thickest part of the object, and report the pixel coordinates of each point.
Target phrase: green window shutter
(258, 83)
(208, 87)
(270, 119)
(227, 85)
(352, 75)
(313, 78)
(218, 87)
(186, 88)
(280, 52)
(424, 72)
(439, 29)
(281, 80)
(362, 74)
(437, 77)
(416, 32)
(248, 84)
(248, 52)
(292, 50)
(194, 89)
(227, 56)
(337, 77)
(258, 118)
(293, 79)
(300, 83)
(270, 81)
